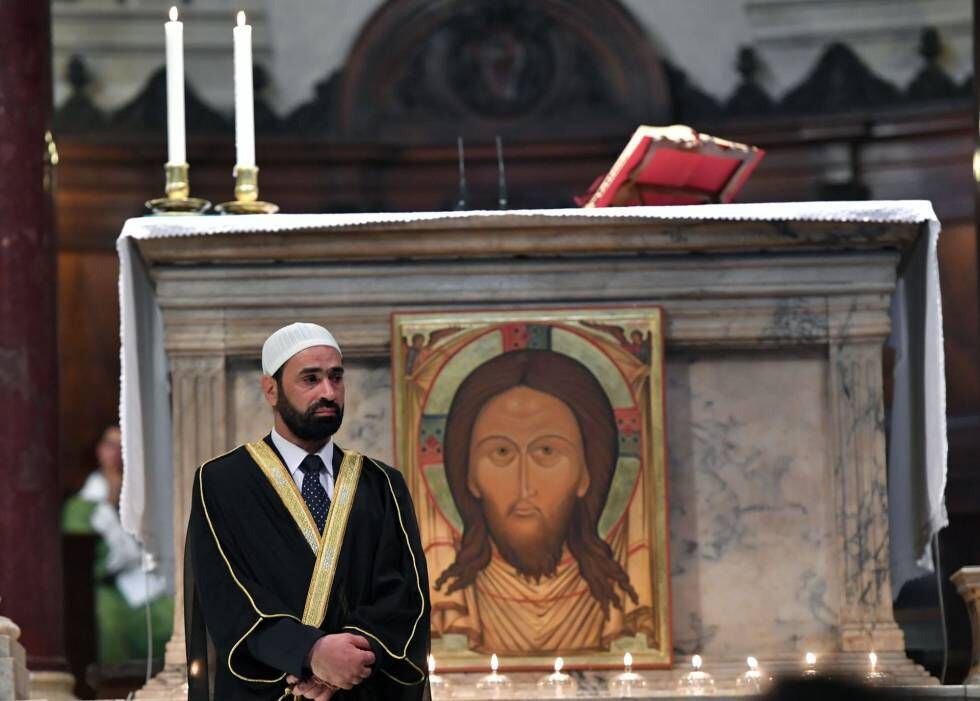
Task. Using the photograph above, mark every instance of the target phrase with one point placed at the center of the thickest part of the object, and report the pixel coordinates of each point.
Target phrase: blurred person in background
(122, 588)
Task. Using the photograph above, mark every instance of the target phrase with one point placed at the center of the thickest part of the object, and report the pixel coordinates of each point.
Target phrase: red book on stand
(673, 165)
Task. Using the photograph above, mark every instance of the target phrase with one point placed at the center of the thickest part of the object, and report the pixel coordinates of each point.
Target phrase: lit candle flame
(494, 663)
(432, 664)
(696, 662)
(873, 659)
(628, 661)
(559, 663)
(811, 659)
(173, 14)
(752, 663)
(241, 18)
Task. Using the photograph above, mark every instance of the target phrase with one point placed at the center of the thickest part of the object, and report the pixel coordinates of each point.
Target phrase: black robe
(250, 592)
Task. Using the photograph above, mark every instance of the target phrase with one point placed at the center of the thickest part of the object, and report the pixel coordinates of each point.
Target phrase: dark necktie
(313, 492)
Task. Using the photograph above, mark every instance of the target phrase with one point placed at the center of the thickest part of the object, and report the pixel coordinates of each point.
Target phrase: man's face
(310, 397)
(527, 468)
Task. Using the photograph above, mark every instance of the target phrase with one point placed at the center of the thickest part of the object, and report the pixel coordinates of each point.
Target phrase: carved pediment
(932, 82)
(840, 81)
(147, 111)
(78, 114)
(426, 70)
(749, 98)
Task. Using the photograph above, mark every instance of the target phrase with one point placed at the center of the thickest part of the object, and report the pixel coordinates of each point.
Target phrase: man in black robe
(304, 569)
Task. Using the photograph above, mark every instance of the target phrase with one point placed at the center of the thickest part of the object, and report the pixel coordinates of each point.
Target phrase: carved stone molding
(859, 473)
(541, 235)
(199, 430)
(711, 302)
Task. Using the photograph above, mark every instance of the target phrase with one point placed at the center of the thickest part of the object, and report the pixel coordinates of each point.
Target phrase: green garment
(121, 629)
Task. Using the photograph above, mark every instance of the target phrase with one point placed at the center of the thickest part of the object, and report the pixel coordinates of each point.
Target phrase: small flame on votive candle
(241, 18)
(494, 663)
(173, 14)
(432, 664)
(752, 663)
(559, 663)
(628, 661)
(873, 659)
(811, 659)
(696, 662)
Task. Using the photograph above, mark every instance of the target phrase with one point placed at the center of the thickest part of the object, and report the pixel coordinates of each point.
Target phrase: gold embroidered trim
(321, 583)
(234, 647)
(399, 681)
(281, 481)
(418, 584)
(327, 548)
(262, 615)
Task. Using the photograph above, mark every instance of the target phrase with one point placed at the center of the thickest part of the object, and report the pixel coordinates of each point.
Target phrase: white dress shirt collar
(293, 455)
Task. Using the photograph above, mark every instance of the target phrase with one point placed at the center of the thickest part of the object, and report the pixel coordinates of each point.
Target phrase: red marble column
(30, 494)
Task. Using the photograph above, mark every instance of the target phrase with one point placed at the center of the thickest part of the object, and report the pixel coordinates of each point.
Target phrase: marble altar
(774, 331)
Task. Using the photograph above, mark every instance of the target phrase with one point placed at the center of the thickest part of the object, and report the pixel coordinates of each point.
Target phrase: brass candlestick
(177, 189)
(247, 194)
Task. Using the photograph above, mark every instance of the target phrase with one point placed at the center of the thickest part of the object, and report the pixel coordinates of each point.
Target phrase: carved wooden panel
(426, 70)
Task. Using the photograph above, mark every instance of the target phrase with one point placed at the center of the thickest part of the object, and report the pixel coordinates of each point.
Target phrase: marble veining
(752, 521)
(861, 469)
(796, 319)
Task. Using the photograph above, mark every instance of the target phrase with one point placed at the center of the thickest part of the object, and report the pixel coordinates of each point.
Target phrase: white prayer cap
(290, 340)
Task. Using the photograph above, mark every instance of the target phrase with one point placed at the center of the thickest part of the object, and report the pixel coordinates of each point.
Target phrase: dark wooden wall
(88, 353)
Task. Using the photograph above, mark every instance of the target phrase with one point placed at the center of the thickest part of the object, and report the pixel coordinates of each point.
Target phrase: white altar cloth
(918, 445)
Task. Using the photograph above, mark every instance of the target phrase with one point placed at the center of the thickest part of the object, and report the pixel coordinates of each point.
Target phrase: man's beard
(307, 425)
(535, 554)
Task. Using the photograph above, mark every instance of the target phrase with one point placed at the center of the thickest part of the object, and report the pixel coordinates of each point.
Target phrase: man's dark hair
(571, 382)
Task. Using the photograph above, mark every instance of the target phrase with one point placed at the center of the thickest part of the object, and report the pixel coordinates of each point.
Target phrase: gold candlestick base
(177, 188)
(247, 194)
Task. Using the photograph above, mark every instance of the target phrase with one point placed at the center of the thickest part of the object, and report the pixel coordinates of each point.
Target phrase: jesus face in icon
(527, 468)
(530, 451)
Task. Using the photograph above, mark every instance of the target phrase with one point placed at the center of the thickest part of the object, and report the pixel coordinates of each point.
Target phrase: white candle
(176, 146)
(244, 102)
